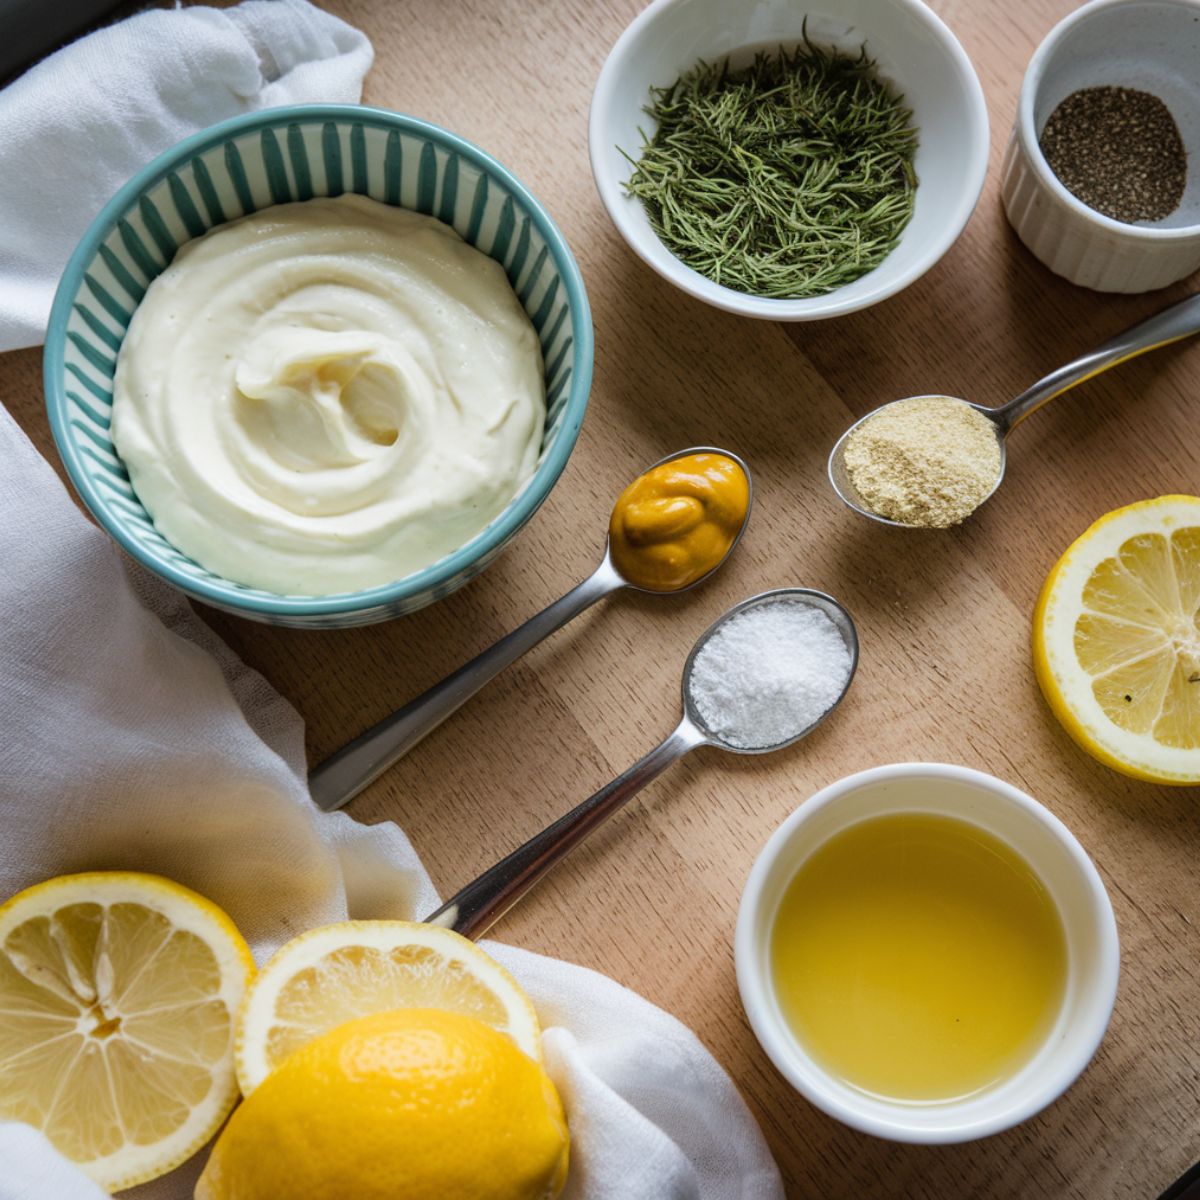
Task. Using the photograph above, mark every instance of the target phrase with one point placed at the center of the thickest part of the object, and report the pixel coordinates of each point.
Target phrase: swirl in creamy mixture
(328, 396)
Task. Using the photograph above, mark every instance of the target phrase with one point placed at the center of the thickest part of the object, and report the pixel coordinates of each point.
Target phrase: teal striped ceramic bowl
(272, 157)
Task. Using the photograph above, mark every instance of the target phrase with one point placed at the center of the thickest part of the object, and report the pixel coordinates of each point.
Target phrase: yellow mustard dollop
(678, 521)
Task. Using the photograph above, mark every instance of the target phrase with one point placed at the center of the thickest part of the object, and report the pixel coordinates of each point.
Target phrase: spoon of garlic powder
(928, 462)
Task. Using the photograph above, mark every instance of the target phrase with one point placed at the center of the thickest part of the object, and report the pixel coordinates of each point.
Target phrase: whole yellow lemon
(415, 1103)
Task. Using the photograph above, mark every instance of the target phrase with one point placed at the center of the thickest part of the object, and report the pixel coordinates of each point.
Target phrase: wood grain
(944, 618)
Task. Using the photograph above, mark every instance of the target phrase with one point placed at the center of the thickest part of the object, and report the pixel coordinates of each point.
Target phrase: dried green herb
(786, 179)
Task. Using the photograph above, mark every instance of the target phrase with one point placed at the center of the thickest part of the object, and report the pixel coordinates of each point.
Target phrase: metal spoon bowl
(1171, 325)
(828, 605)
(347, 771)
(839, 476)
(480, 904)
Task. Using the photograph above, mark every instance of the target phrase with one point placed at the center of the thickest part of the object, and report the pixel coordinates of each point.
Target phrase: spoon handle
(1178, 321)
(347, 771)
(485, 900)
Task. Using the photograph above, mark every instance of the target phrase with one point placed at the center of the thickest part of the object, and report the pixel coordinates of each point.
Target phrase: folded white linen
(85, 119)
(134, 738)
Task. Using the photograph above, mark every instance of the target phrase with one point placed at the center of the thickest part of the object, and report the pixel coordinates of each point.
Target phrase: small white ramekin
(1053, 854)
(1151, 45)
(913, 49)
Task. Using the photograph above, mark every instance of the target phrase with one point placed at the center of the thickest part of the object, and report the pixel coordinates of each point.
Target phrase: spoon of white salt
(762, 676)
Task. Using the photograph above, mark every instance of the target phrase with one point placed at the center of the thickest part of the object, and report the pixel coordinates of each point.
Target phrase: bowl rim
(813, 308)
(228, 594)
(751, 969)
(1035, 72)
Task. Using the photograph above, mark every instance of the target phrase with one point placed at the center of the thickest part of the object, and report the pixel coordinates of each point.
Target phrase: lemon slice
(118, 993)
(1116, 640)
(336, 973)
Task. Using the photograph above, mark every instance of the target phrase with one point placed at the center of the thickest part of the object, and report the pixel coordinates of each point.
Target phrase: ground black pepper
(1119, 151)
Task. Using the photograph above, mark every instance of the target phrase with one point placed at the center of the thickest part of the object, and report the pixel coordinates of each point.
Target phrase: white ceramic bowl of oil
(1149, 45)
(914, 51)
(1037, 839)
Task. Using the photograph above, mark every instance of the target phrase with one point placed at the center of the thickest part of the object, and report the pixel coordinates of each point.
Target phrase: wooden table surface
(944, 617)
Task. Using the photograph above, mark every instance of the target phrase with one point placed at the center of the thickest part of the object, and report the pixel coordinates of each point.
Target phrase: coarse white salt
(768, 673)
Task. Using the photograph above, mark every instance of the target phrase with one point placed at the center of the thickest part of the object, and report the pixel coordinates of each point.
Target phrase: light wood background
(944, 617)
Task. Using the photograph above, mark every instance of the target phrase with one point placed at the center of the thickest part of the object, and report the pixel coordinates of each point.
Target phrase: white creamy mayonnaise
(327, 396)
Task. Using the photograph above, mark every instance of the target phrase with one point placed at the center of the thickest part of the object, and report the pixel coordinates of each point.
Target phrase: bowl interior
(273, 158)
(1152, 46)
(913, 51)
(1053, 855)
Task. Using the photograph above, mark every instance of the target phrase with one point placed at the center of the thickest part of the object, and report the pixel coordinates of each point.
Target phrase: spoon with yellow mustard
(670, 529)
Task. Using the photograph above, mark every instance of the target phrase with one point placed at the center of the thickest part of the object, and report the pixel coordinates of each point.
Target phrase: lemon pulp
(118, 993)
(918, 958)
(1138, 636)
(330, 975)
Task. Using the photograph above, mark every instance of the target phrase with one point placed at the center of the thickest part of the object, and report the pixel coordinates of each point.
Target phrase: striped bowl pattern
(273, 157)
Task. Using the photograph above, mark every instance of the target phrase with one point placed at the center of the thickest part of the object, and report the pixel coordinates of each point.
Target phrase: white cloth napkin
(135, 739)
(77, 125)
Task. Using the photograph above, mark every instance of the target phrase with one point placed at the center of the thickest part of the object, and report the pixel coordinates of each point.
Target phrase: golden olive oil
(917, 957)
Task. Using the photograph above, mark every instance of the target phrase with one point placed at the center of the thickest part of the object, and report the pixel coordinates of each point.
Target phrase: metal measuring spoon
(1179, 321)
(347, 771)
(484, 901)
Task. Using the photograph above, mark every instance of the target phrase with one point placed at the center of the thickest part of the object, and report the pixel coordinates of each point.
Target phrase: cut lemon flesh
(334, 974)
(1116, 640)
(118, 993)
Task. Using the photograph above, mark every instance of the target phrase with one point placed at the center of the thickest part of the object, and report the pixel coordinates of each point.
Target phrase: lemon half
(1116, 640)
(351, 969)
(118, 993)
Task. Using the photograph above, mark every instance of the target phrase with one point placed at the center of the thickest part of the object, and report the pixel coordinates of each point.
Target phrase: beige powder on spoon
(929, 461)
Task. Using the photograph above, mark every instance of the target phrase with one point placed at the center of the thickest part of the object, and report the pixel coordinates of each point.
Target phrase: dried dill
(786, 179)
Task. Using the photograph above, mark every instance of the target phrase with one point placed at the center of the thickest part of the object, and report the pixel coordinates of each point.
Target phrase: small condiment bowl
(914, 50)
(1119, 43)
(1053, 854)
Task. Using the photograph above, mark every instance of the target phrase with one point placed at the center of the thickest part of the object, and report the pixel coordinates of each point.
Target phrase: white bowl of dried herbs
(1102, 176)
(785, 161)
